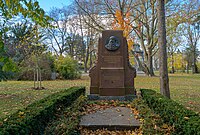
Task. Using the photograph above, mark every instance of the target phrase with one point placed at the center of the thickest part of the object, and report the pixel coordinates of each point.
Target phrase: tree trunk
(194, 65)
(34, 79)
(164, 80)
(86, 60)
(40, 79)
(173, 69)
(85, 67)
(187, 68)
(37, 78)
(150, 63)
(90, 59)
(194, 68)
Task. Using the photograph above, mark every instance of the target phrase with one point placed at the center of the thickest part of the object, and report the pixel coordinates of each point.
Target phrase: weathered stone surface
(112, 75)
(111, 118)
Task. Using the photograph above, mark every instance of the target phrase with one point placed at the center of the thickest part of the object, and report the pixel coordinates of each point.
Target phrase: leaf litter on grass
(108, 132)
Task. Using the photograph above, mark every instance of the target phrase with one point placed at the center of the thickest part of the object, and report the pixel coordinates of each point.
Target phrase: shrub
(7, 68)
(184, 121)
(151, 123)
(67, 68)
(27, 67)
(67, 120)
(34, 118)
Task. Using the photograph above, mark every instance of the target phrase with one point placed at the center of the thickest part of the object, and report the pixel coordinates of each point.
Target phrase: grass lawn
(184, 88)
(14, 95)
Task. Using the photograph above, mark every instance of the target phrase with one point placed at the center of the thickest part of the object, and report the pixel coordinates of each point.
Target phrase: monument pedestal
(112, 77)
(120, 98)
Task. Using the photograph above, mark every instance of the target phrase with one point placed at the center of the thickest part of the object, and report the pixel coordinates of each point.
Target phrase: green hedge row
(66, 121)
(34, 118)
(185, 122)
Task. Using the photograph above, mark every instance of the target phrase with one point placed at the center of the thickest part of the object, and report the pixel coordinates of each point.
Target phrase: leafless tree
(57, 35)
(89, 35)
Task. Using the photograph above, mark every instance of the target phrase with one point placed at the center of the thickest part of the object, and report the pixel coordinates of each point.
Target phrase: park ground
(14, 95)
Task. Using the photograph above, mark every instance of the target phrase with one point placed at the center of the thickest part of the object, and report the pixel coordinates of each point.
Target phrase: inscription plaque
(107, 80)
(112, 61)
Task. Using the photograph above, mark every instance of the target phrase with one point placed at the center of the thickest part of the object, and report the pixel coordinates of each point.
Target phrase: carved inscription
(112, 62)
(112, 78)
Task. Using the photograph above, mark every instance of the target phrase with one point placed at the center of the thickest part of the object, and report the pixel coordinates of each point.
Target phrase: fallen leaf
(118, 110)
(128, 105)
(186, 118)
(21, 113)
(5, 113)
(165, 126)
(5, 119)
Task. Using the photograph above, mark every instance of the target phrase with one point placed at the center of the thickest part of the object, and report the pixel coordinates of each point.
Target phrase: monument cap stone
(112, 75)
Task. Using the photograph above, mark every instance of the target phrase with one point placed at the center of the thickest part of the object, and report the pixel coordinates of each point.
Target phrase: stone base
(121, 98)
(114, 118)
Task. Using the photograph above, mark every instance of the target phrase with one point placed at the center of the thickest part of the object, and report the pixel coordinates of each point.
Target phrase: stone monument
(112, 76)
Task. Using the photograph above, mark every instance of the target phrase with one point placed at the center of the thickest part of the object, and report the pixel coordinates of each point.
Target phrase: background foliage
(67, 68)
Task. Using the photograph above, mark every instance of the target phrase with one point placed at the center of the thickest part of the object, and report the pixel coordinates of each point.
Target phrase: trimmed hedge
(67, 120)
(34, 118)
(185, 122)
